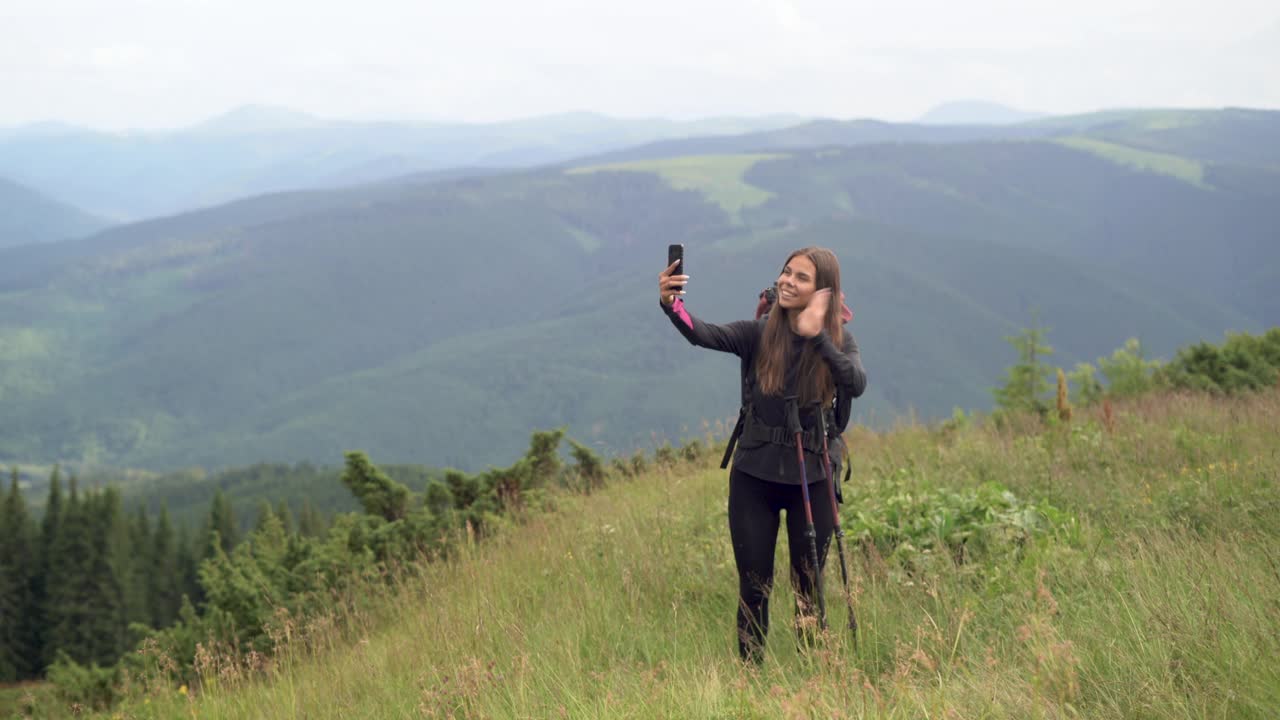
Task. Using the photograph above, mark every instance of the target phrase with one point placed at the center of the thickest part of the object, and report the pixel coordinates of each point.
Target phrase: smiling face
(797, 283)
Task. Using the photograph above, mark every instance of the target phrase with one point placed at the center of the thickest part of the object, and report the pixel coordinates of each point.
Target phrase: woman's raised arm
(736, 337)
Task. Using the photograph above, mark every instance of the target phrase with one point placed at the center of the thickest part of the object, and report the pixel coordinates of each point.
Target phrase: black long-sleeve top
(768, 461)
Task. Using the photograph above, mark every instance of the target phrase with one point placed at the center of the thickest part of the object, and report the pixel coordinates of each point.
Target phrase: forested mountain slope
(438, 321)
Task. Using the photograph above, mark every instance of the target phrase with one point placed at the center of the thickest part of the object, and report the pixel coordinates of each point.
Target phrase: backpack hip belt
(750, 430)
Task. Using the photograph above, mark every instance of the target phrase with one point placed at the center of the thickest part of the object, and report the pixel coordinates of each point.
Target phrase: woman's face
(797, 283)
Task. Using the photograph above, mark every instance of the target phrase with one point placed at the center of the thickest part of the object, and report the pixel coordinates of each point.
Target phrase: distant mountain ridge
(254, 150)
(439, 319)
(975, 112)
(817, 134)
(248, 119)
(27, 216)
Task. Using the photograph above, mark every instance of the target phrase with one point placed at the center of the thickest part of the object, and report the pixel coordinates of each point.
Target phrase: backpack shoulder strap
(744, 410)
(767, 298)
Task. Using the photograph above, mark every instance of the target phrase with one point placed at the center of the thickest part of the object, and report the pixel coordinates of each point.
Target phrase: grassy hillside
(433, 322)
(1193, 133)
(1189, 171)
(1116, 568)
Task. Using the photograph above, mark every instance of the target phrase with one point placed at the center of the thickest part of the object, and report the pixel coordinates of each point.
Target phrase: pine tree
(1027, 382)
(285, 517)
(310, 524)
(86, 592)
(221, 520)
(136, 559)
(16, 571)
(265, 515)
(164, 586)
(110, 578)
(67, 604)
(50, 526)
(188, 562)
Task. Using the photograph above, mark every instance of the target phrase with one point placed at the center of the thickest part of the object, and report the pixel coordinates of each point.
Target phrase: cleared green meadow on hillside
(1068, 571)
(718, 177)
(1189, 171)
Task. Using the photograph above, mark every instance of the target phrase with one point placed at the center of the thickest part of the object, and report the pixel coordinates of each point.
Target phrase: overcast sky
(167, 63)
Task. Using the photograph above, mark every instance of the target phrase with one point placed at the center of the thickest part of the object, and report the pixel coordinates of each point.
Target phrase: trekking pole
(835, 512)
(793, 419)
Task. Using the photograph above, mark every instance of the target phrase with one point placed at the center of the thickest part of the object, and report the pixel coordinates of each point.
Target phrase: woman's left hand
(814, 316)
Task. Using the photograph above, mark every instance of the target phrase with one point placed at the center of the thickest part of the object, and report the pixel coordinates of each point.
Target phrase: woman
(799, 353)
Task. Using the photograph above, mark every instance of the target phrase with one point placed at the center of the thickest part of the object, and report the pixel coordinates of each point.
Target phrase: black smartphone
(676, 253)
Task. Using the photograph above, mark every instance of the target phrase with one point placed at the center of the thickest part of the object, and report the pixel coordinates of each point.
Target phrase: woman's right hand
(669, 286)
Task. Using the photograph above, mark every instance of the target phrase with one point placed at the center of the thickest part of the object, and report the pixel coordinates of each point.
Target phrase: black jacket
(767, 460)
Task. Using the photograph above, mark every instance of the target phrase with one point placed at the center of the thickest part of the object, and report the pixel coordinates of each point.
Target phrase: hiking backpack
(766, 300)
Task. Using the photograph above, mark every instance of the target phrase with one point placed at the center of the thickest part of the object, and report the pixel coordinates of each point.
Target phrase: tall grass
(1158, 596)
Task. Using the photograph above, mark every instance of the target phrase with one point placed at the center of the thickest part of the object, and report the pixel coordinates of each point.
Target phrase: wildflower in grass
(1064, 405)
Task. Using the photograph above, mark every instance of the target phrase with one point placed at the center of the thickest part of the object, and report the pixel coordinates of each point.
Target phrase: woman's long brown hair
(771, 359)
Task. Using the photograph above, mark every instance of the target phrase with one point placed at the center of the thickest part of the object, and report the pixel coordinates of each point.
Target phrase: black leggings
(754, 505)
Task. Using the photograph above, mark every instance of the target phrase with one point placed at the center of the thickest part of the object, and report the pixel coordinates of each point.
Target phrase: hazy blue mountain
(822, 133)
(249, 119)
(1233, 136)
(40, 128)
(255, 150)
(439, 319)
(975, 112)
(27, 216)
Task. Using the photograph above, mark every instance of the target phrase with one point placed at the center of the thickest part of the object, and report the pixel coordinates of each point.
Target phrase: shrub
(1128, 372)
(692, 450)
(665, 455)
(89, 686)
(919, 529)
(587, 465)
(379, 494)
(639, 463)
(1244, 362)
(1085, 380)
